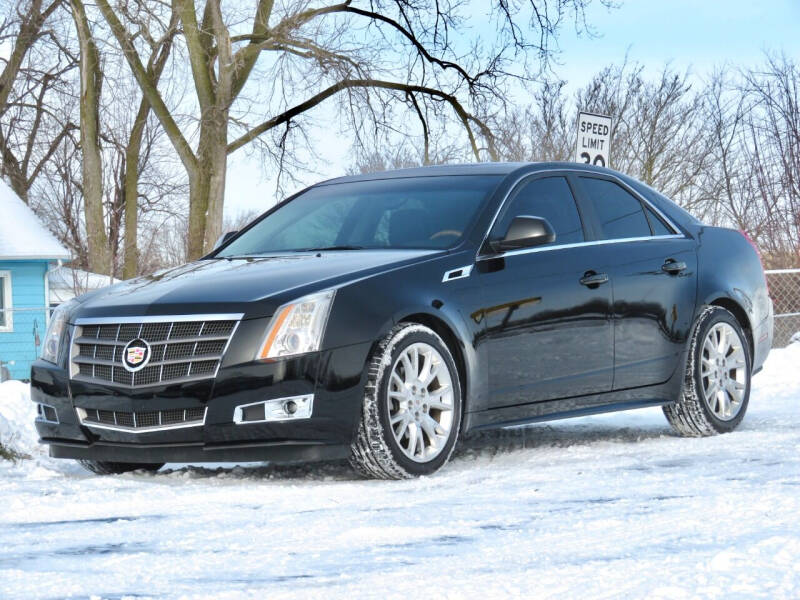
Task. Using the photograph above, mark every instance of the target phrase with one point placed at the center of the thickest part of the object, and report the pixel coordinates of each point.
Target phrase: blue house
(27, 252)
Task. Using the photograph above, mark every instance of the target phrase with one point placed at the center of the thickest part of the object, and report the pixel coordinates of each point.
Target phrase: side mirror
(525, 232)
(224, 238)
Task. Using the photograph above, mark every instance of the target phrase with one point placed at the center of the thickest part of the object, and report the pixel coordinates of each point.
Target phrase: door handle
(591, 279)
(673, 267)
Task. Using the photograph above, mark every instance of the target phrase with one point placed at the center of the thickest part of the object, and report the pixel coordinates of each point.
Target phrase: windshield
(419, 212)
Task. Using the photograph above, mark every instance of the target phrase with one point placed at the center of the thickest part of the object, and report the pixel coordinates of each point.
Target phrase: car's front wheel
(115, 468)
(412, 407)
(716, 388)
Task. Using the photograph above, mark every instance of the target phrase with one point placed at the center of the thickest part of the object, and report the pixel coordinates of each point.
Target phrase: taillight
(758, 252)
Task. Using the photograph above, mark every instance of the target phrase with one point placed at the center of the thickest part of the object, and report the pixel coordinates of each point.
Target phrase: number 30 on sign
(594, 139)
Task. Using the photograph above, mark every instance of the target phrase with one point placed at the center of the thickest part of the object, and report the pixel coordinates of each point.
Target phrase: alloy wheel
(420, 402)
(723, 371)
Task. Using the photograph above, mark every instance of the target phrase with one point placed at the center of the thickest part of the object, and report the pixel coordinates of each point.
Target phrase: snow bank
(17, 414)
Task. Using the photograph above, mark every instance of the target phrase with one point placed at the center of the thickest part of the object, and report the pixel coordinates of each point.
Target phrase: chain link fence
(784, 287)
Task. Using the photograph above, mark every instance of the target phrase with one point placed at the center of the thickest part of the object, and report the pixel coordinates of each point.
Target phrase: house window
(6, 318)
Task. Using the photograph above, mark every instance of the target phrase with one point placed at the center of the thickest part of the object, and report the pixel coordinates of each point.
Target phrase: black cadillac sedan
(380, 317)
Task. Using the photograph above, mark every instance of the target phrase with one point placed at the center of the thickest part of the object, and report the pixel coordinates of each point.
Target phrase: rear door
(653, 270)
(546, 335)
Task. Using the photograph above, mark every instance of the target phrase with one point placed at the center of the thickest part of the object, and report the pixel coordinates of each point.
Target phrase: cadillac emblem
(136, 355)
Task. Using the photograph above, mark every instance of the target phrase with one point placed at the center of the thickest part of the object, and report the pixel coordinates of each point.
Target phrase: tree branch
(198, 57)
(149, 89)
(245, 58)
(291, 113)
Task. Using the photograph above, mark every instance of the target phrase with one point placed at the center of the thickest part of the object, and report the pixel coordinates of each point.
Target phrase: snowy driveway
(610, 506)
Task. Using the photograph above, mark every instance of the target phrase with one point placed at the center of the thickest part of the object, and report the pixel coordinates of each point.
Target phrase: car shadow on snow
(475, 446)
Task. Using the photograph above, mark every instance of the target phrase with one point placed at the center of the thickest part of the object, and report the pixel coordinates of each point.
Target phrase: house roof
(22, 234)
(66, 283)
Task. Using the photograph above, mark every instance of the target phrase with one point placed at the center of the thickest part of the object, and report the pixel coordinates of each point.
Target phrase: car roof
(486, 168)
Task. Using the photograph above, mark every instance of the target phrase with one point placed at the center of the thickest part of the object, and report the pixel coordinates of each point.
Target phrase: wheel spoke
(724, 403)
(734, 389)
(401, 430)
(398, 381)
(736, 359)
(432, 374)
(412, 438)
(441, 391)
(408, 366)
(722, 337)
(440, 406)
(415, 360)
(429, 427)
(427, 365)
(437, 427)
(709, 347)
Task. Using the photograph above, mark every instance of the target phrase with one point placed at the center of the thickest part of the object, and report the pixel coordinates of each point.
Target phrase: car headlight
(297, 327)
(52, 339)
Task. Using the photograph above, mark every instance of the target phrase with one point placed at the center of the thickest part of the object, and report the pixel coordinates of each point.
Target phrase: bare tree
(372, 56)
(35, 71)
(772, 140)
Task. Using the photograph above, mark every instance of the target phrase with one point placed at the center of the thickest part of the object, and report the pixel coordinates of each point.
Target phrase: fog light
(280, 409)
(46, 413)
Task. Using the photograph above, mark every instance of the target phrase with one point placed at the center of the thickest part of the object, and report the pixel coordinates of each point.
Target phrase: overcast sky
(688, 34)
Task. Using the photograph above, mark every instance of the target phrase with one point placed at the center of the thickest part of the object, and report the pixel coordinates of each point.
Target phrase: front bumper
(335, 378)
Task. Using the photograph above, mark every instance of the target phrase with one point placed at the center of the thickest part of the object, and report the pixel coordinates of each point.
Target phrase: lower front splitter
(277, 451)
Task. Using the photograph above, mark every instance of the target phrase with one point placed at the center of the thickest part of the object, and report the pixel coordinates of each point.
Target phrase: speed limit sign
(594, 139)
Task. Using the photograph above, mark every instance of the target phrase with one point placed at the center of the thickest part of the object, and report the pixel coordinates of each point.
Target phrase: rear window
(658, 226)
(619, 212)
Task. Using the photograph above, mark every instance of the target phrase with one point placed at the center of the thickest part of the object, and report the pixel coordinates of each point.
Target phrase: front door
(546, 334)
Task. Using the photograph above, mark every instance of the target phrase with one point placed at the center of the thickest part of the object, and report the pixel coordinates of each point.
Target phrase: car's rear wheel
(115, 468)
(412, 407)
(716, 387)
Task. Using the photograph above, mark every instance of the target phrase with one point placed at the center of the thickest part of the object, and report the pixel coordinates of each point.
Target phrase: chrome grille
(143, 420)
(181, 349)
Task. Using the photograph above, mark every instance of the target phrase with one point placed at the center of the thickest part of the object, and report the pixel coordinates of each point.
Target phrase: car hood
(253, 286)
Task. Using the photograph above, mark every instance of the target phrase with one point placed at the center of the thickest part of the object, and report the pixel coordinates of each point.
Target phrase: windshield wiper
(324, 248)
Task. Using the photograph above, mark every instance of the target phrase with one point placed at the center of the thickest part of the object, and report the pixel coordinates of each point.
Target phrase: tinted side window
(620, 214)
(658, 226)
(551, 199)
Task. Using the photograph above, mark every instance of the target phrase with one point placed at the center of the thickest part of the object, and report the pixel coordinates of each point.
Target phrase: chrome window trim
(578, 173)
(466, 271)
(158, 319)
(81, 418)
(579, 244)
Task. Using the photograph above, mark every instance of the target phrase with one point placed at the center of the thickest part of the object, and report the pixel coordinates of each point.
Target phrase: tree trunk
(207, 188)
(130, 267)
(91, 81)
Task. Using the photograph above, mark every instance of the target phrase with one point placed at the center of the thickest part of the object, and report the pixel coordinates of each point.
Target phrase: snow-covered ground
(609, 506)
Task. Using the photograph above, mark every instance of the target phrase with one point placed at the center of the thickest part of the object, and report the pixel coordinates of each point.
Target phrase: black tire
(375, 453)
(115, 468)
(690, 416)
